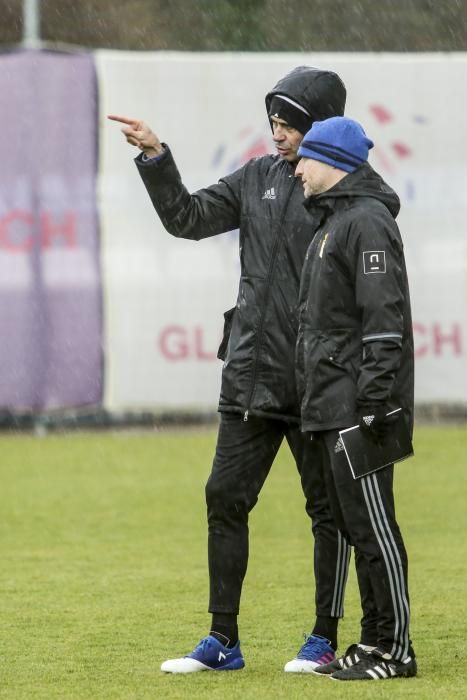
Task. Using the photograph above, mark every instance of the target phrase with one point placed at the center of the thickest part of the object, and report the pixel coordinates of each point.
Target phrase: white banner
(164, 298)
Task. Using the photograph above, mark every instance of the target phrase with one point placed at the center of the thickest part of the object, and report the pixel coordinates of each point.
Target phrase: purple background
(50, 286)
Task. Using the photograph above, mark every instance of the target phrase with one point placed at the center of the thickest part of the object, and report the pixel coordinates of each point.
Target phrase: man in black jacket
(355, 365)
(258, 402)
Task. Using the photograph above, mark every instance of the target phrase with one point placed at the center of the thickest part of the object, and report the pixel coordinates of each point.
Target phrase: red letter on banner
(65, 230)
(173, 343)
(7, 239)
(419, 330)
(199, 350)
(454, 338)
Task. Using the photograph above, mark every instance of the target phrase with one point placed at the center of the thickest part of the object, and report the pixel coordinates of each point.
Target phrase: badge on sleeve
(374, 261)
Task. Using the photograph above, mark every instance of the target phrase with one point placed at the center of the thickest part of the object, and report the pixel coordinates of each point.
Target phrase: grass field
(103, 571)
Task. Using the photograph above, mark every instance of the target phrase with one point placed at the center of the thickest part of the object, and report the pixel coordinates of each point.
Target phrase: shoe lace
(352, 650)
(312, 646)
(201, 646)
(368, 660)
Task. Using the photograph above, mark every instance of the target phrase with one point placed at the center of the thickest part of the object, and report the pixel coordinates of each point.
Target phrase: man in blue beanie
(258, 403)
(355, 365)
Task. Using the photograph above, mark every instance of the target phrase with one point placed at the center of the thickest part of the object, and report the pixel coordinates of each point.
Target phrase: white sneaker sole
(184, 665)
(300, 666)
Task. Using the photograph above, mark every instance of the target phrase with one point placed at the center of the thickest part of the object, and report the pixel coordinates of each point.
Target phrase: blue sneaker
(209, 655)
(316, 651)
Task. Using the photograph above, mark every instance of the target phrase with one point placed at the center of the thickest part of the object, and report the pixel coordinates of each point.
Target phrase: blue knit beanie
(338, 141)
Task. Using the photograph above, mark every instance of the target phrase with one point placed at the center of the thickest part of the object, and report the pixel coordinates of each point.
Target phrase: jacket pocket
(332, 348)
(228, 319)
(342, 350)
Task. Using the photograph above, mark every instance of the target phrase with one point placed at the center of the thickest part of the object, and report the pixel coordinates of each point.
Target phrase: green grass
(103, 571)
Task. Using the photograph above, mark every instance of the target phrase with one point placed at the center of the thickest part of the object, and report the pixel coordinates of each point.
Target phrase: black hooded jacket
(355, 341)
(264, 200)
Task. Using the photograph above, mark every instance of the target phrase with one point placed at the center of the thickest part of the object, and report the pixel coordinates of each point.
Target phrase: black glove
(373, 420)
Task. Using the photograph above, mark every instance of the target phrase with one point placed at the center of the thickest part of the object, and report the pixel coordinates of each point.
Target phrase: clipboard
(366, 456)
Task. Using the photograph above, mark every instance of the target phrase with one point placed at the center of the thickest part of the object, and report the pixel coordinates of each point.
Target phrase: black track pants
(244, 455)
(364, 512)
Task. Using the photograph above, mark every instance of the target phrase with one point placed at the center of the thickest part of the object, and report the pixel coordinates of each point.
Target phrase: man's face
(286, 139)
(316, 176)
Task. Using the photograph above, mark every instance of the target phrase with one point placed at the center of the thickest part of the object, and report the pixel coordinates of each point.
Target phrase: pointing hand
(139, 134)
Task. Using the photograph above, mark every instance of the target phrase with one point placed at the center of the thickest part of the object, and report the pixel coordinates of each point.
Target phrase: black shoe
(377, 665)
(351, 657)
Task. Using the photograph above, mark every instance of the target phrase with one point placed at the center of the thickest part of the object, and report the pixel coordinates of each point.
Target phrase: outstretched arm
(139, 134)
(205, 213)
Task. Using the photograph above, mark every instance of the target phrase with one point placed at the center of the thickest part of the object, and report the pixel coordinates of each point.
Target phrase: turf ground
(103, 571)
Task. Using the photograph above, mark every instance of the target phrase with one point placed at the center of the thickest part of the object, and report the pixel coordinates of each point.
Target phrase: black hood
(363, 182)
(321, 92)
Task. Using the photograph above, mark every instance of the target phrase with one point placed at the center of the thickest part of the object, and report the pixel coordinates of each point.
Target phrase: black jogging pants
(244, 455)
(364, 512)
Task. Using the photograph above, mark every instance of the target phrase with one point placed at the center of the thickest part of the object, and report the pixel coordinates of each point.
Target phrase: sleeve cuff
(146, 158)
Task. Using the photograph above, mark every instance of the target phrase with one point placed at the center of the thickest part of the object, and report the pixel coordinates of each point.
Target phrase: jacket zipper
(266, 300)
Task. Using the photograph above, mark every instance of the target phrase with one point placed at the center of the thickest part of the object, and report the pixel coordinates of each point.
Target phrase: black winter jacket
(264, 200)
(355, 341)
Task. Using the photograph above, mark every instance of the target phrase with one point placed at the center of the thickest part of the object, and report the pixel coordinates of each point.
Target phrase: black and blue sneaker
(209, 655)
(315, 651)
